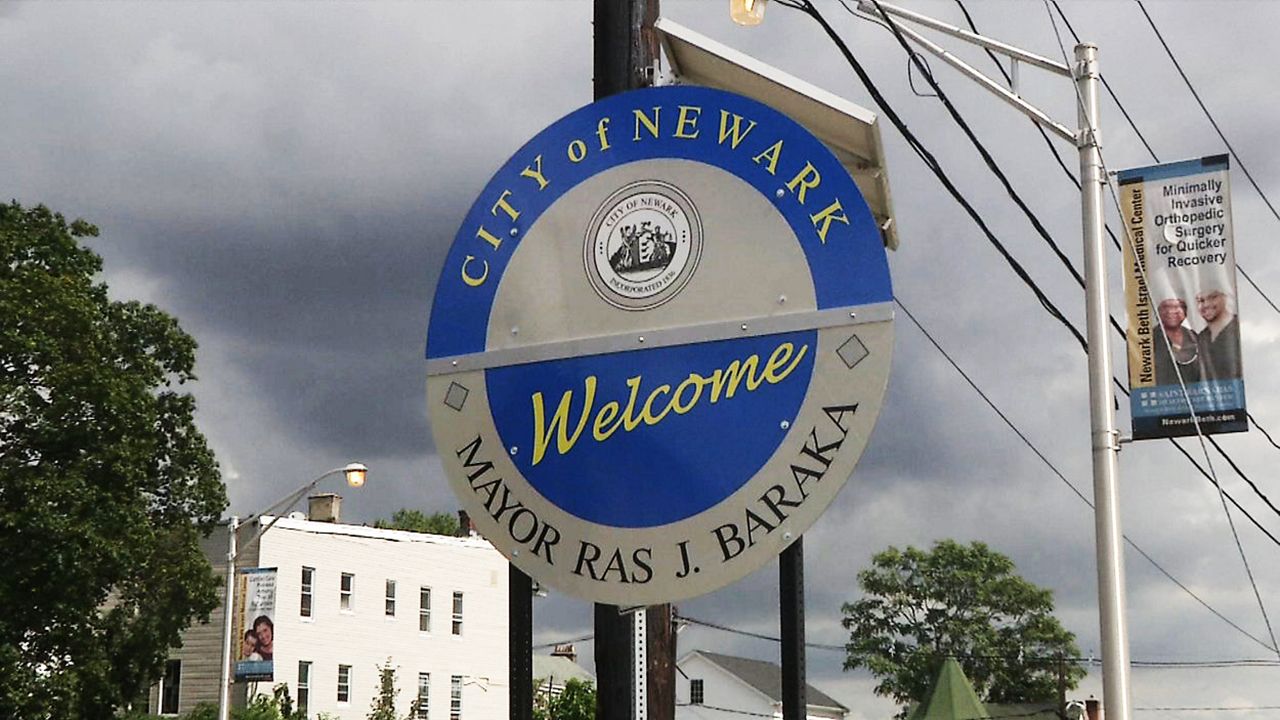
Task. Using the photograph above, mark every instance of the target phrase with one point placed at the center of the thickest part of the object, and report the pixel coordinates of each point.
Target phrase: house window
(345, 590)
(424, 609)
(344, 683)
(455, 697)
(170, 687)
(304, 686)
(391, 598)
(308, 582)
(424, 696)
(696, 692)
(457, 613)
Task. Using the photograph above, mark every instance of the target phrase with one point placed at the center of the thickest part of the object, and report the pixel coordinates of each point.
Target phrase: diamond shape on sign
(852, 351)
(456, 396)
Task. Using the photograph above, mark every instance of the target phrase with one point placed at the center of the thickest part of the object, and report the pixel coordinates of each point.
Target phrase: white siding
(731, 695)
(365, 637)
(720, 690)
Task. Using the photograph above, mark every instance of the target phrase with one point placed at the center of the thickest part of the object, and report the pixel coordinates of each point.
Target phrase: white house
(350, 598)
(711, 686)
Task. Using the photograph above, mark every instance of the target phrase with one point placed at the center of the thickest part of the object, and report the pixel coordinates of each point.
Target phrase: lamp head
(355, 473)
(747, 12)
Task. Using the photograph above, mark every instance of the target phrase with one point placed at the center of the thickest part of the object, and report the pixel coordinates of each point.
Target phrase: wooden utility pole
(626, 47)
(661, 631)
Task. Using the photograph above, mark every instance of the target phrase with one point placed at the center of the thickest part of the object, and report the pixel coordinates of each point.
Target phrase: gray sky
(285, 178)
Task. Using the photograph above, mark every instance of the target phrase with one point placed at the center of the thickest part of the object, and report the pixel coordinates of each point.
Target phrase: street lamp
(747, 12)
(355, 475)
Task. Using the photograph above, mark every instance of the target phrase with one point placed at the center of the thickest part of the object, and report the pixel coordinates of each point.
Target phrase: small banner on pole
(255, 612)
(1180, 288)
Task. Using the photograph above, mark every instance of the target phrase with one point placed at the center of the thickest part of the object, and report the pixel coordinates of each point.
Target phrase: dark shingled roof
(767, 678)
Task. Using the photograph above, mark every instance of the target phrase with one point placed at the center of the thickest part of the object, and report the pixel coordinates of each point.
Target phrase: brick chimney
(325, 507)
(1093, 709)
(466, 528)
(565, 650)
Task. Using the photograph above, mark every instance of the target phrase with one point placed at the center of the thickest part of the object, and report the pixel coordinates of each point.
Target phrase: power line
(1239, 161)
(1227, 708)
(1053, 468)
(1137, 131)
(1194, 418)
(916, 144)
(1149, 664)
(931, 162)
(808, 7)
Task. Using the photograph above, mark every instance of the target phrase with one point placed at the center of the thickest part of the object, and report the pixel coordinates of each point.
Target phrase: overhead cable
(915, 143)
(1200, 436)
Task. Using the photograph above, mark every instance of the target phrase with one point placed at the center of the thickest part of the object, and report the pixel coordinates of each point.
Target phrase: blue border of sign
(853, 268)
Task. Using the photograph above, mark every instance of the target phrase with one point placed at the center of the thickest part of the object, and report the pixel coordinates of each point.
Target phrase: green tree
(418, 521)
(576, 702)
(963, 601)
(106, 485)
(384, 703)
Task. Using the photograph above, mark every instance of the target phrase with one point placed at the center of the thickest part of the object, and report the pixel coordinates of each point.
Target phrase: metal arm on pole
(972, 73)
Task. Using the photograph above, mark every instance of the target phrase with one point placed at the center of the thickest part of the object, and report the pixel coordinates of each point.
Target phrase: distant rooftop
(366, 531)
(767, 678)
(559, 670)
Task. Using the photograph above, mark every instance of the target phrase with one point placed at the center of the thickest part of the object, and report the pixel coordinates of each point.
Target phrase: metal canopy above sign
(851, 132)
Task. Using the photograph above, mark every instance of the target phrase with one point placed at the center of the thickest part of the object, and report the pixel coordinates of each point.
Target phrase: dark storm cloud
(286, 178)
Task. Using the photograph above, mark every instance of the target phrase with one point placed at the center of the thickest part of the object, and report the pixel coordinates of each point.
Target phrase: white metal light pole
(355, 473)
(1105, 440)
(1113, 624)
(224, 693)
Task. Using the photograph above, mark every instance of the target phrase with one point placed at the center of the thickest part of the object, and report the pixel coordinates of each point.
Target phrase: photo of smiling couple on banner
(255, 624)
(1180, 287)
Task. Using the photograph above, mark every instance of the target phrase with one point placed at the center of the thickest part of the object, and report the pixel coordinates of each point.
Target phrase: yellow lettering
(779, 358)
(732, 377)
(506, 206)
(612, 416)
(535, 173)
(577, 151)
(471, 279)
(489, 237)
(695, 381)
(560, 422)
(726, 131)
(601, 127)
(608, 412)
(801, 180)
(827, 215)
(652, 125)
(772, 156)
(689, 119)
(646, 413)
(628, 422)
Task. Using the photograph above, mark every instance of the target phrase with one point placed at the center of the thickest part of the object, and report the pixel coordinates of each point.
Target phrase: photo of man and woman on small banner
(1180, 287)
(255, 612)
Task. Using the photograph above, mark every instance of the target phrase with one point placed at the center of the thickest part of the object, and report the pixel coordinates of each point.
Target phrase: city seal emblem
(642, 245)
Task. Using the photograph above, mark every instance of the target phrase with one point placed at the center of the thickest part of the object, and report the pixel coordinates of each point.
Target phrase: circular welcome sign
(659, 344)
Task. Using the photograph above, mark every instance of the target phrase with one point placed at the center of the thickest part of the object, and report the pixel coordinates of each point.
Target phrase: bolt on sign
(659, 344)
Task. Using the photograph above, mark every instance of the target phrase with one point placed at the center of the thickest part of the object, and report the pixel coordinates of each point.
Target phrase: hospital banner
(1185, 367)
(255, 630)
